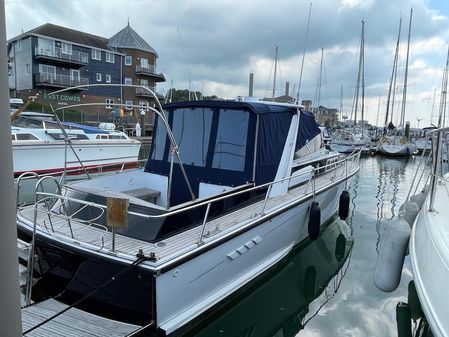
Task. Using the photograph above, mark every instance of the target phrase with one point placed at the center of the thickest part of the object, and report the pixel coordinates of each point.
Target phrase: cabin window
(25, 136)
(159, 141)
(191, 128)
(230, 146)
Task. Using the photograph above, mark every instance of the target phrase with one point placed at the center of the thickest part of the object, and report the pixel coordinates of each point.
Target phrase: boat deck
(188, 240)
(72, 323)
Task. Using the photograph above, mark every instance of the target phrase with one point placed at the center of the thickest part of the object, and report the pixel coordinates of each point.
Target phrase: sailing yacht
(347, 141)
(396, 143)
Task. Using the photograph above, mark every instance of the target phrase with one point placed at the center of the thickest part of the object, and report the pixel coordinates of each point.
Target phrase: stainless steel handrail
(206, 202)
(160, 113)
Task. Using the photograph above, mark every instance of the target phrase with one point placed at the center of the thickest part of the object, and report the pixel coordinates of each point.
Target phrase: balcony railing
(59, 80)
(144, 92)
(151, 69)
(56, 53)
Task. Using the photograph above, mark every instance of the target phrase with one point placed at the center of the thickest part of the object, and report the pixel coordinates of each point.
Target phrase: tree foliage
(181, 95)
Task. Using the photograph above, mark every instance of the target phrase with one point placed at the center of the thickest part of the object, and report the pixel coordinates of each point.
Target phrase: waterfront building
(51, 57)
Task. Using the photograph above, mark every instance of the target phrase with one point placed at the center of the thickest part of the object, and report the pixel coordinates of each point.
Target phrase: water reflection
(280, 303)
(391, 174)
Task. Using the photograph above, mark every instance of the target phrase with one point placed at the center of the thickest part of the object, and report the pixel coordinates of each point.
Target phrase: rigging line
(304, 52)
(442, 113)
(185, 61)
(359, 77)
(404, 91)
(275, 68)
(391, 79)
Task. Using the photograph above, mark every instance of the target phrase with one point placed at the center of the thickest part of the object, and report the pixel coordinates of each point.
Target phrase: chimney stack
(251, 84)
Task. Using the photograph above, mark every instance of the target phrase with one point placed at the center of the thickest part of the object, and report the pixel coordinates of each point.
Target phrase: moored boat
(429, 243)
(221, 199)
(42, 145)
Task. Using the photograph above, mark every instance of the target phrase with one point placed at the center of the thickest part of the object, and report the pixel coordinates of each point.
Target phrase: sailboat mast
(404, 92)
(341, 102)
(393, 72)
(442, 117)
(275, 69)
(304, 53)
(362, 55)
(318, 85)
(360, 77)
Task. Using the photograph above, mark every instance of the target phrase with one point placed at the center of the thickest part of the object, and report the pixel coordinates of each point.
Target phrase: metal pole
(10, 317)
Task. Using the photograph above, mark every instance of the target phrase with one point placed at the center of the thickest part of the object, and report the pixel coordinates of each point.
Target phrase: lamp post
(142, 121)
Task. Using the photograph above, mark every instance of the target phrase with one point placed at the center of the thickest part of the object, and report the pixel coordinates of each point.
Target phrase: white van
(15, 104)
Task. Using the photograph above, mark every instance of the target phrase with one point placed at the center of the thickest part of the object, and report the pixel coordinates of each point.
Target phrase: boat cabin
(210, 149)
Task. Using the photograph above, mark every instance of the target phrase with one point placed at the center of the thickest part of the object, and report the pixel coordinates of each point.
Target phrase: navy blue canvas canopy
(222, 143)
(308, 129)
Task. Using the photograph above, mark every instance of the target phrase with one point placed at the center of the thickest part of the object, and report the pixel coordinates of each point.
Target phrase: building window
(108, 78)
(19, 45)
(96, 54)
(144, 63)
(109, 103)
(27, 69)
(98, 77)
(109, 57)
(66, 48)
(128, 60)
(143, 105)
(128, 105)
(128, 81)
(47, 72)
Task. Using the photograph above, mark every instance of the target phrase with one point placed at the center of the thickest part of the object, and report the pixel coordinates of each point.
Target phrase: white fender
(392, 249)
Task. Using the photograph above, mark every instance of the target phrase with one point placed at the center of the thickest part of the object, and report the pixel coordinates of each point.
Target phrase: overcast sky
(216, 44)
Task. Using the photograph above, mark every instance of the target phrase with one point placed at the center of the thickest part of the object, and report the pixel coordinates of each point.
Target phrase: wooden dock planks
(72, 323)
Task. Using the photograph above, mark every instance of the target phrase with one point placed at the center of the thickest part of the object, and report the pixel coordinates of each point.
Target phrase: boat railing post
(314, 185)
(435, 171)
(30, 265)
(170, 178)
(266, 199)
(203, 227)
(309, 182)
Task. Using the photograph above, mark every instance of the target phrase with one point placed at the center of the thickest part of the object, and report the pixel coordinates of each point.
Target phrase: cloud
(218, 43)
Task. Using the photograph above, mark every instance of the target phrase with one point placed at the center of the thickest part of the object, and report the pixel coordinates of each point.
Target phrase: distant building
(50, 57)
(325, 115)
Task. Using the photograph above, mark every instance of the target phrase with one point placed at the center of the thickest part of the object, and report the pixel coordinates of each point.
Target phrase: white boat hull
(400, 150)
(346, 148)
(207, 279)
(44, 157)
(429, 254)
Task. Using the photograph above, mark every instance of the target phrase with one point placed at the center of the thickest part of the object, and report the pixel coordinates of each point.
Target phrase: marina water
(325, 287)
